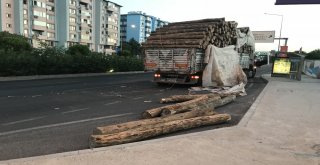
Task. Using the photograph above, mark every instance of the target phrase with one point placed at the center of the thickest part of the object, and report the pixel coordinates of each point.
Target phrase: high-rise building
(94, 23)
(107, 26)
(138, 25)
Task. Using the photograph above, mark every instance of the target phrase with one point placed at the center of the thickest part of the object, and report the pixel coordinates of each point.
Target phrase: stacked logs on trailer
(194, 34)
(190, 111)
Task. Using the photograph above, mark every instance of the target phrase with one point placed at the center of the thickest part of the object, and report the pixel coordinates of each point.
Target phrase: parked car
(261, 60)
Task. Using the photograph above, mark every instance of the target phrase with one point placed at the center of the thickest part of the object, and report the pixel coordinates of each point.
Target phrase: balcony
(39, 28)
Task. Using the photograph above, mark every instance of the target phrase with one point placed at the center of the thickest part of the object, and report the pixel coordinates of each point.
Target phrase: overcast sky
(301, 23)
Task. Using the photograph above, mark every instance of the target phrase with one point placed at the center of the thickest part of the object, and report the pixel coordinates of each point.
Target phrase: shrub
(314, 55)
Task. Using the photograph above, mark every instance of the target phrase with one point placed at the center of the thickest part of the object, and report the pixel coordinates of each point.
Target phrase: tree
(131, 48)
(79, 50)
(14, 42)
(314, 55)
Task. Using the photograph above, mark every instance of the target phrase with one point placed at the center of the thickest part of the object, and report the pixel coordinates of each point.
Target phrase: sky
(301, 23)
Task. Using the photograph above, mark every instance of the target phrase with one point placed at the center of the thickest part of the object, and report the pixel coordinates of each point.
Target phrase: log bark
(179, 98)
(170, 46)
(213, 101)
(146, 122)
(202, 102)
(183, 98)
(155, 130)
(224, 101)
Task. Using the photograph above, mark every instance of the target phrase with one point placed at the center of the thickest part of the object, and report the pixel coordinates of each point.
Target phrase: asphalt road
(40, 117)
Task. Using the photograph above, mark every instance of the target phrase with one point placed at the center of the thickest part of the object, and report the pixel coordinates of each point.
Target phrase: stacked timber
(194, 34)
(190, 111)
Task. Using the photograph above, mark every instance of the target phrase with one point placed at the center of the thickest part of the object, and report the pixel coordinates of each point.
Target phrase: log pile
(194, 34)
(190, 111)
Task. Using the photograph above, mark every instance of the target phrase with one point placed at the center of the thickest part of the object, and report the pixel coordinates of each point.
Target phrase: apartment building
(138, 25)
(64, 22)
(7, 15)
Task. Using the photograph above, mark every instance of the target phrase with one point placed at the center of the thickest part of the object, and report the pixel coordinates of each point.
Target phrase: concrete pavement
(281, 127)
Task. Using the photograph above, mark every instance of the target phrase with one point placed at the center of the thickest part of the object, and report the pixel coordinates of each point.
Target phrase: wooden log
(179, 107)
(146, 122)
(202, 102)
(179, 98)
(142, 133)
(174, 42)
(224, 101)
(169, 46)
(199, 21)
(176, 36)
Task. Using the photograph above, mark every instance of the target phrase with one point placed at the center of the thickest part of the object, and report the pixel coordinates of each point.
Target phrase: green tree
(79, 50)
(314, 55)
(131, 48)
(14, 42)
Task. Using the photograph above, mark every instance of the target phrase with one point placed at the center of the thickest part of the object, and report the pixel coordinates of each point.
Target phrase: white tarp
(222, 67)
(245, 38)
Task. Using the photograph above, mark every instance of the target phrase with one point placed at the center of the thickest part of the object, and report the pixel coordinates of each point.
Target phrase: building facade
(64, 22)
(138, 25)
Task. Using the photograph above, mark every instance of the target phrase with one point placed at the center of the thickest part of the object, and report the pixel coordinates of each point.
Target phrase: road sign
(264, 36)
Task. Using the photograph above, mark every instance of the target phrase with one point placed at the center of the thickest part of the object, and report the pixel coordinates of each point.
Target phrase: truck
(175, 65)
(173, 61)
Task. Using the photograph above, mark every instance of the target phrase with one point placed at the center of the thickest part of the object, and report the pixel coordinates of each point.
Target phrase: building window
(25, 31)
(72, 28)
(39, 23)
(8, 25)
(25, 2)
(50, 35)
(25, 22)
(72, 11)
(52, 1)
(72, 2)
(8, 5)
(50, 26)
(39, 4)
(8, 15)
(50, 8)
(25, 12)
(50, 17)
(73, 20)
(39, 14)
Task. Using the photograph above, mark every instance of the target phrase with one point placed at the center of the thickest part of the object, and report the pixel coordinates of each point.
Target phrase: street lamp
(280, 27)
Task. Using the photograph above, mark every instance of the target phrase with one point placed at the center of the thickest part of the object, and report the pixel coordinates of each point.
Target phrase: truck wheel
(253, 73)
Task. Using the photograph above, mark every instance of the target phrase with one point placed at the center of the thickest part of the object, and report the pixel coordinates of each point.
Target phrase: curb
(41, 77)
(248, 115)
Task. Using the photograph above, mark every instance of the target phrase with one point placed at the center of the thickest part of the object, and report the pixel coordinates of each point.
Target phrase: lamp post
(280, 27)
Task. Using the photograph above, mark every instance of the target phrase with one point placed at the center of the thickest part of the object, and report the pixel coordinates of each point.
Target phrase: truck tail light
(157, 75)
(195, 77)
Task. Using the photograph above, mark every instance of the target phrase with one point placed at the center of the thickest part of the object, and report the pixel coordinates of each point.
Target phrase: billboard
(263, 36)
(296, 2)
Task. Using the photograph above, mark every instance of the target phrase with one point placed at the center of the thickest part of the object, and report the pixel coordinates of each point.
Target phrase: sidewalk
(282, 127)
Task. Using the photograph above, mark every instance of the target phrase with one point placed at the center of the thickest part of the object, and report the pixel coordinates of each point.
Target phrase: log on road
(179, 107)
(142, 133)
(147, 122)
(212, 101)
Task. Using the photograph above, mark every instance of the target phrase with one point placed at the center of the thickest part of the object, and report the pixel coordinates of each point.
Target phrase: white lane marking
(115, 102)
(36, 96)
(75, 110)
(137, 98)
(23, 121)
(63, 124)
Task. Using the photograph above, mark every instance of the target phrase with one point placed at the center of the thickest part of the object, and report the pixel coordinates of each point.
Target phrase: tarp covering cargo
(222, 67)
